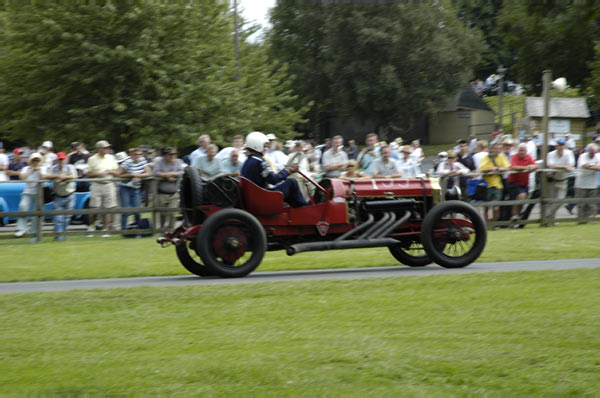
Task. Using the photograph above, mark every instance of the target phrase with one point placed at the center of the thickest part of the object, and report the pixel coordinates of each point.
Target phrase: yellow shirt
(97, 164)
(486, 163)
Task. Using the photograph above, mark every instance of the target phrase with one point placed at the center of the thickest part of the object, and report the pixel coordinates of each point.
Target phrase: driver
(257, 170)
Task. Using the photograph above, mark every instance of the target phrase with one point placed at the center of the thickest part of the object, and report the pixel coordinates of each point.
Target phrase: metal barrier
(40, 213)
(544, 200)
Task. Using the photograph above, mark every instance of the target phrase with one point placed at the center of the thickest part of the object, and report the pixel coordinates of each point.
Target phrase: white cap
(271, 136)
(102, 144)
(36, 155)
(48, 144)
(121, 157)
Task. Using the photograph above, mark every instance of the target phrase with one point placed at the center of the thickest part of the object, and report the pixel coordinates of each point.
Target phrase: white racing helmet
(256, 141)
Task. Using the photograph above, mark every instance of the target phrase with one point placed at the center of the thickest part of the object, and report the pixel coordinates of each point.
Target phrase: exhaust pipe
(377, 230)
(382, 220)
(392, 227)
(357, 229)
(339, 245)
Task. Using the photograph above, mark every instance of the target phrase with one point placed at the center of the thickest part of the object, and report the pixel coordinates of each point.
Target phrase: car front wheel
(231, 243)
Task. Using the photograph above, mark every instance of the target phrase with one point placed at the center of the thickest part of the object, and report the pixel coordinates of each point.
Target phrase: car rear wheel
(191, 196)
(453, 234)
(231, 243)
(190, 260)
(410, 253)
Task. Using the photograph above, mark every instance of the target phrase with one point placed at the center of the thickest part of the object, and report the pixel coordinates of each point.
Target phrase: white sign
(562, 126)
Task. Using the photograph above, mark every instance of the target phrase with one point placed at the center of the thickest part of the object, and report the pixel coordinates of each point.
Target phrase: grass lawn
(433, 150)
(81, 257)
(510, 104)
(526, 334)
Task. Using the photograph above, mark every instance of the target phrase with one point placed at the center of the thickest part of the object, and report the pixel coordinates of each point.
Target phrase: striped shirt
(132, 167)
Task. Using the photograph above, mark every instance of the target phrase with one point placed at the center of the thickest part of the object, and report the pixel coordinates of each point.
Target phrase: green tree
(556, 35)
(484, 15)
(402, 62)
(593, 82)
(384, 63)
(120, 72)
(134, 72)
(298, 38)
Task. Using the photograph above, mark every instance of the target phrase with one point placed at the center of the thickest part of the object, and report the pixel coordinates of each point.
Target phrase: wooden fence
(543, 201)
(40, 213)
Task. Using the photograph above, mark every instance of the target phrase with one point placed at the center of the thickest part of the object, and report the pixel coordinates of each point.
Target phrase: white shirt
(586, 178)
(225, 154)
(196, 154)
(3, 164)
(478, 157)
(532, 149)
(472, 145)
(384, 168)
(31, 187)
(330, 157)
(567, 159)
(571, 143)
(49, 159)
(408, 167)
(417, 155)
(278, 158)
(301, 160)
(444, 168)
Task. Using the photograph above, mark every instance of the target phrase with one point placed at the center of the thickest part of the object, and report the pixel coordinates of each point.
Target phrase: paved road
(280, 276)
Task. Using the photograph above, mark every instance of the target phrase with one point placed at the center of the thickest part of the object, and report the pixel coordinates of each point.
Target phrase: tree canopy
(135, 72)
(385, 63)
(593, 82)
(556, 35)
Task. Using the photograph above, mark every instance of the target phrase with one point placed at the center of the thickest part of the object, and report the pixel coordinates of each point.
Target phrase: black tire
(449, 243)
(231, 243)
(190, 260)
(410, 253)
(191, 192)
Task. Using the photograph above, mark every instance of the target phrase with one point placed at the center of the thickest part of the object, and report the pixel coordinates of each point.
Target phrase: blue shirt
(16, 166)
(228, 167)
(257, 170)
(209, 167)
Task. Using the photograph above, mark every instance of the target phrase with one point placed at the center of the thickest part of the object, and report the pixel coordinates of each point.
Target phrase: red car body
(223, 232)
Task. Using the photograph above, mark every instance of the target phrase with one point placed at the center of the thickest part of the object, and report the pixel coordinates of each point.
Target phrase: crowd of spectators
(118, 181)
(508, 168)
(507, 165)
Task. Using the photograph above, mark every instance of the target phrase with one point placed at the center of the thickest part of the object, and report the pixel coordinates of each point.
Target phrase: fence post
(544, 187)
(39, 206)
(154, 189)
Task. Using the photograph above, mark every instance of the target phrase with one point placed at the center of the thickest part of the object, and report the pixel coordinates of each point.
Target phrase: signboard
(561, 126)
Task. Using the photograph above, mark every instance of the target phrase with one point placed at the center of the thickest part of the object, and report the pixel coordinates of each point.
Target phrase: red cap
(18, 151)
(61, 155)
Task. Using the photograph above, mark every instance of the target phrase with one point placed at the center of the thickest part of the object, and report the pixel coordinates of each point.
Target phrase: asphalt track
(289, 276)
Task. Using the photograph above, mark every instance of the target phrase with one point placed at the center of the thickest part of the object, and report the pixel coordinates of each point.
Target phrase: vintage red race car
(229, 224)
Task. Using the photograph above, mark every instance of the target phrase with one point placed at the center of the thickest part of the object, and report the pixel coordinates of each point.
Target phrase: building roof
(559, 107)
(466, 99)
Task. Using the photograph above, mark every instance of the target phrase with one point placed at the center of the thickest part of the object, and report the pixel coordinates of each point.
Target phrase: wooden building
(567, 115)
(465, 113)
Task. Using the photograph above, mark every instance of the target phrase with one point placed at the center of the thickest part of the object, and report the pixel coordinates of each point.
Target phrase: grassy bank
(81, 257)
(496, 335)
